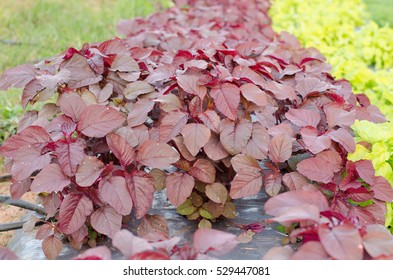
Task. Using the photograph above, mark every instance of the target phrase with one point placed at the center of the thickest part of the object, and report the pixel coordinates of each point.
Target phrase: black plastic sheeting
(249, 210)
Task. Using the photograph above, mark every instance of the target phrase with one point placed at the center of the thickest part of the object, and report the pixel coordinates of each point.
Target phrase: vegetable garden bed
(212, 109)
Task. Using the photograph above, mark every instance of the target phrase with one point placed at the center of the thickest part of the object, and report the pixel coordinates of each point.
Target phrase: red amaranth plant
(211, 108)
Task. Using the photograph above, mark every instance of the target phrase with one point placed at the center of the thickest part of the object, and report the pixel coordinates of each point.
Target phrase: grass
(381, 11)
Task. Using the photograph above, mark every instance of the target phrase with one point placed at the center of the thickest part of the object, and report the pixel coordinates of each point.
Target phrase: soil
(11, 213)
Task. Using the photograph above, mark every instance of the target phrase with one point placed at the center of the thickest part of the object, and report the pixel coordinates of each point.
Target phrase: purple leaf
(97, 253)
(50, 179)
(114, 191)
(141, 188)
(106, 220)
(32, 136)
(81, 73)
(303, 117)
(342, 242)
(378, 241)
(44, 231)
(281, 91)
(382, 189)
(72, 105)
(134, 89)
(26, 161)
(242, 162)
(74, 210)
(257, 146)
(203, 170)
(171, 125)
(70, 154)
(138, 112)
(313, 142)
(98, 120)
(52, 246)
(226, 98)
(211, 119)
(213, 241)
(129, 244)
(343, 137)
(195, 136)
(214, 149)
(273, 184)
(247, 182)
(190, 84)
(18, 76)
(280, 148)
(254, 94)
(157, 155)
(366, 171)
(102, 94)
(234, 136)
(310, 85)
(294, 181)
(336, 115)
(7, 254)
(124, 63)
(88, 171)
(19, 188)
(179, 187)
(122, 150)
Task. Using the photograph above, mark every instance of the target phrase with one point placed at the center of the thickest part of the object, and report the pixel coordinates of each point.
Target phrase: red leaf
(129, 135)
(313, 142)
(141, 188)
(378, 241)
(311, 250)
(214, 149)
(51, 203)
(72, 105)
(336, 115)
(244, 162)
(138, 112)
(217, 193)
(382, 189)
(114, 191)
(257, 146)
(50, 179)
(44, 231)
(204, 171)
(247, 182)
(97, 253)
(74, 210)
(178, 187)
(18, 76)
(69, 155)
(129, 244)
(120, 148)
(254, 94)
(303, 117)
(106, 220)
(195, 136)
(19, 188)
(294, 181)
(273, 184)
(234, 136)
(81, 73)
(161, 73)
(7, 254)
(213, 241)
(366, 171)
(310, 85)
(320, 168)
(88, 171)
(281, 91)
(150, 255)
(293, 199)
(123, 62)
(134, 89)
(183, 149)
(171, 125)
(279, 253)
(211, 119)
(52, 246)
(280, 148)
(242, 72)
(26, 161)
(32, 136)
(343, 242)
(226, 98)
(343, 137)
(157, 155)
(190, 84)
(102, 94)
(153, 228)
(99, 120)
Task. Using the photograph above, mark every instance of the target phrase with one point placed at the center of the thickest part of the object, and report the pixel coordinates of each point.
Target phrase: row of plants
(210, 108)
(344, 30)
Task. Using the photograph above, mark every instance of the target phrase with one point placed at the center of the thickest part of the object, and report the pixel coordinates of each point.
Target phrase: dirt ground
(11, 213)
